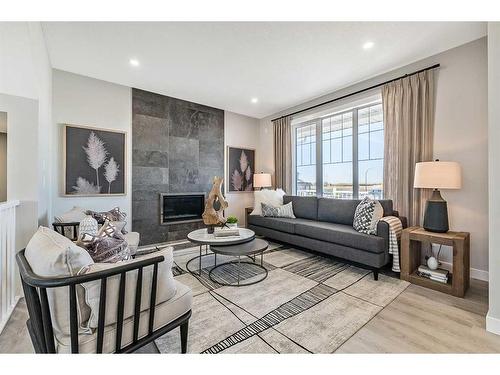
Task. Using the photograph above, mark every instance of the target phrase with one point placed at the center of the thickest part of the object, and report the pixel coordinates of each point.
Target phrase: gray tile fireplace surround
(177, 147)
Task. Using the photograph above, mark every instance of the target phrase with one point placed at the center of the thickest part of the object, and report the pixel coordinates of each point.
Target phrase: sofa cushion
(276, 223)
(52, 255)
(341, 211)
(165, 291)
(165, 313)
(340, 234)
(303, 207)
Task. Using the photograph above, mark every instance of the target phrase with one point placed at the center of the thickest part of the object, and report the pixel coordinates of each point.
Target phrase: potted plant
(232, 222)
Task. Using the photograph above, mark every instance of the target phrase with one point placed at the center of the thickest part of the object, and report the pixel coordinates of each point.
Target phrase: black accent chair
(40, 323)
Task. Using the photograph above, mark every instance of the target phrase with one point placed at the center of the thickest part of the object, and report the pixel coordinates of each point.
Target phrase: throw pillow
(112, 215)
(267, 196)
(104, 249)
(75, 215)
(108, 229)
(367, 214)
(284, 211)
(51, 255)
(107, 246)
(120, 226)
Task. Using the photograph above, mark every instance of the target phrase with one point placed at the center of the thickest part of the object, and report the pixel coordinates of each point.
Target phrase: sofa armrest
(404, 219)
(383, 230)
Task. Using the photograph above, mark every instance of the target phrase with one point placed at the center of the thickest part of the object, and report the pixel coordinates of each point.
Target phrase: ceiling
(225, 65)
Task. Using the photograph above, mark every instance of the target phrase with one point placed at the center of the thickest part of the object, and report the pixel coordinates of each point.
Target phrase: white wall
(493, 317)
(240, 131)
(461, 135)
(80, 100)
(17, 71)
(22, 171)
(25, 71)
(43, 80)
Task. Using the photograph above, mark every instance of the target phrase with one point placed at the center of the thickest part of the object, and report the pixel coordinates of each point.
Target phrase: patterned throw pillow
(367, 215)
(112, 215)
(285, 211)
(108, 230)
(107, 246)
(108, 249)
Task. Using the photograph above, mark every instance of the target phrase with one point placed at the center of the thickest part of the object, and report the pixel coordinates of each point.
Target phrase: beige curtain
(408, 105)
(283, 154)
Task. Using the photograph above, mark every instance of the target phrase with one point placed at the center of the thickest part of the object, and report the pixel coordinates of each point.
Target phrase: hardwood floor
(419, 320)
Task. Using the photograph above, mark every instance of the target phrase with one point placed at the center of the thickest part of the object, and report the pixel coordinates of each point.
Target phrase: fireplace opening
(178, 208)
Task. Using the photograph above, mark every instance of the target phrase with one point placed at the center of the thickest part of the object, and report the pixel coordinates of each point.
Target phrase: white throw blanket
(395, 229)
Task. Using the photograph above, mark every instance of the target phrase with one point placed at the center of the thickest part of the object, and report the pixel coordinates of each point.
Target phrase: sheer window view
(305, 157)
(340, 168)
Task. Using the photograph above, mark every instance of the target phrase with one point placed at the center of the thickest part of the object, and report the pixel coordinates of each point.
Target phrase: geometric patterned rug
(307, 304)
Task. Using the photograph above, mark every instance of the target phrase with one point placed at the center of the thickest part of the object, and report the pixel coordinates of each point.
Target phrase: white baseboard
(474, 272)
(10, 310)
(492, 324)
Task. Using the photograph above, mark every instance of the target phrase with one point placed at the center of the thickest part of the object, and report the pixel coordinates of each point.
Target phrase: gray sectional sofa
(324, 225)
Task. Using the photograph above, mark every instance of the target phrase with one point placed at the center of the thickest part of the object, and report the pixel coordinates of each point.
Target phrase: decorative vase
(232, 225)
(432, 263)
(88, 225)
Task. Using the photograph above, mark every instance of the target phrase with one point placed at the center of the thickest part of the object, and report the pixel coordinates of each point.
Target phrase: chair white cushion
(52, 255)
(166, 287)
(132, 239)
(267, 196)
(165, 312)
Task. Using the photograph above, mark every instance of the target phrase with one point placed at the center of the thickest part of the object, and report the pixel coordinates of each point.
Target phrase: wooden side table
(411, 242)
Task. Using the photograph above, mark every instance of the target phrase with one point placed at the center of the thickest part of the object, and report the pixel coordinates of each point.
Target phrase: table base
(238, 263)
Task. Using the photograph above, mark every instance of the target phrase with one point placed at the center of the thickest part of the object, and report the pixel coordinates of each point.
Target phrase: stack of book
(227, 232)
(439, 275)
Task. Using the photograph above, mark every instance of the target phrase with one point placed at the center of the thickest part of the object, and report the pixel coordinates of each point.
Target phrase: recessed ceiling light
(368, 45)
(134, 62)
(254, 100)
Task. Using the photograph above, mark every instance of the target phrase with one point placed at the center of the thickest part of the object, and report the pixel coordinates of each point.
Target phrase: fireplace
(181, 208)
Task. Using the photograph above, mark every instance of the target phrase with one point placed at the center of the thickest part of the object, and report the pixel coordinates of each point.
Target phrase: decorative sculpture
(214, 216)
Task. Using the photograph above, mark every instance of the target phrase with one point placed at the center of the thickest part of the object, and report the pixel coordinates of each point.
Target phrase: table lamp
(437, 175)
(262, 180)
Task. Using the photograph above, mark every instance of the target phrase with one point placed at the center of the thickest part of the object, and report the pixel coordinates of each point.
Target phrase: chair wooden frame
(40, 323)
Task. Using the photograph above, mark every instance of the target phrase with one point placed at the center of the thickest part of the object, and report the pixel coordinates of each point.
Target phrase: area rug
(307, 304)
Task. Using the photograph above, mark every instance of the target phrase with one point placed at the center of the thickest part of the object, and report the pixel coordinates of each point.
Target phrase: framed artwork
(241, 168)
(94, 161)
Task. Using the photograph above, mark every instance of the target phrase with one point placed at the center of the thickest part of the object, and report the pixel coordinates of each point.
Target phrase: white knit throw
(395, 229)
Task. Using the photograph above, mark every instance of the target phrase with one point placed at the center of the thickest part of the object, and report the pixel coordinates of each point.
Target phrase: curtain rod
(358, 92)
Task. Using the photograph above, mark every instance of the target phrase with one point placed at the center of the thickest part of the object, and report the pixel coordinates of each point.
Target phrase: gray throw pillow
(285, 211)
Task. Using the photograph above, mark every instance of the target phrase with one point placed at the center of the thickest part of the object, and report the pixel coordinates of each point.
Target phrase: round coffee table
(202, 237)
(246, 249)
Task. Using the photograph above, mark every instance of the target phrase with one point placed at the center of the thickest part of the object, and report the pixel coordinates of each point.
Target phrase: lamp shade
(261, 180)
(438, 175)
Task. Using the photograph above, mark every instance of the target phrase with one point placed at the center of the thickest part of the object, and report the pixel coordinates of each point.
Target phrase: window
(350, 159)
(305, 160)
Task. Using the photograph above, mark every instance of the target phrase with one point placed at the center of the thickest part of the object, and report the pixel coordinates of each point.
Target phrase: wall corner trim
(492, 324)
